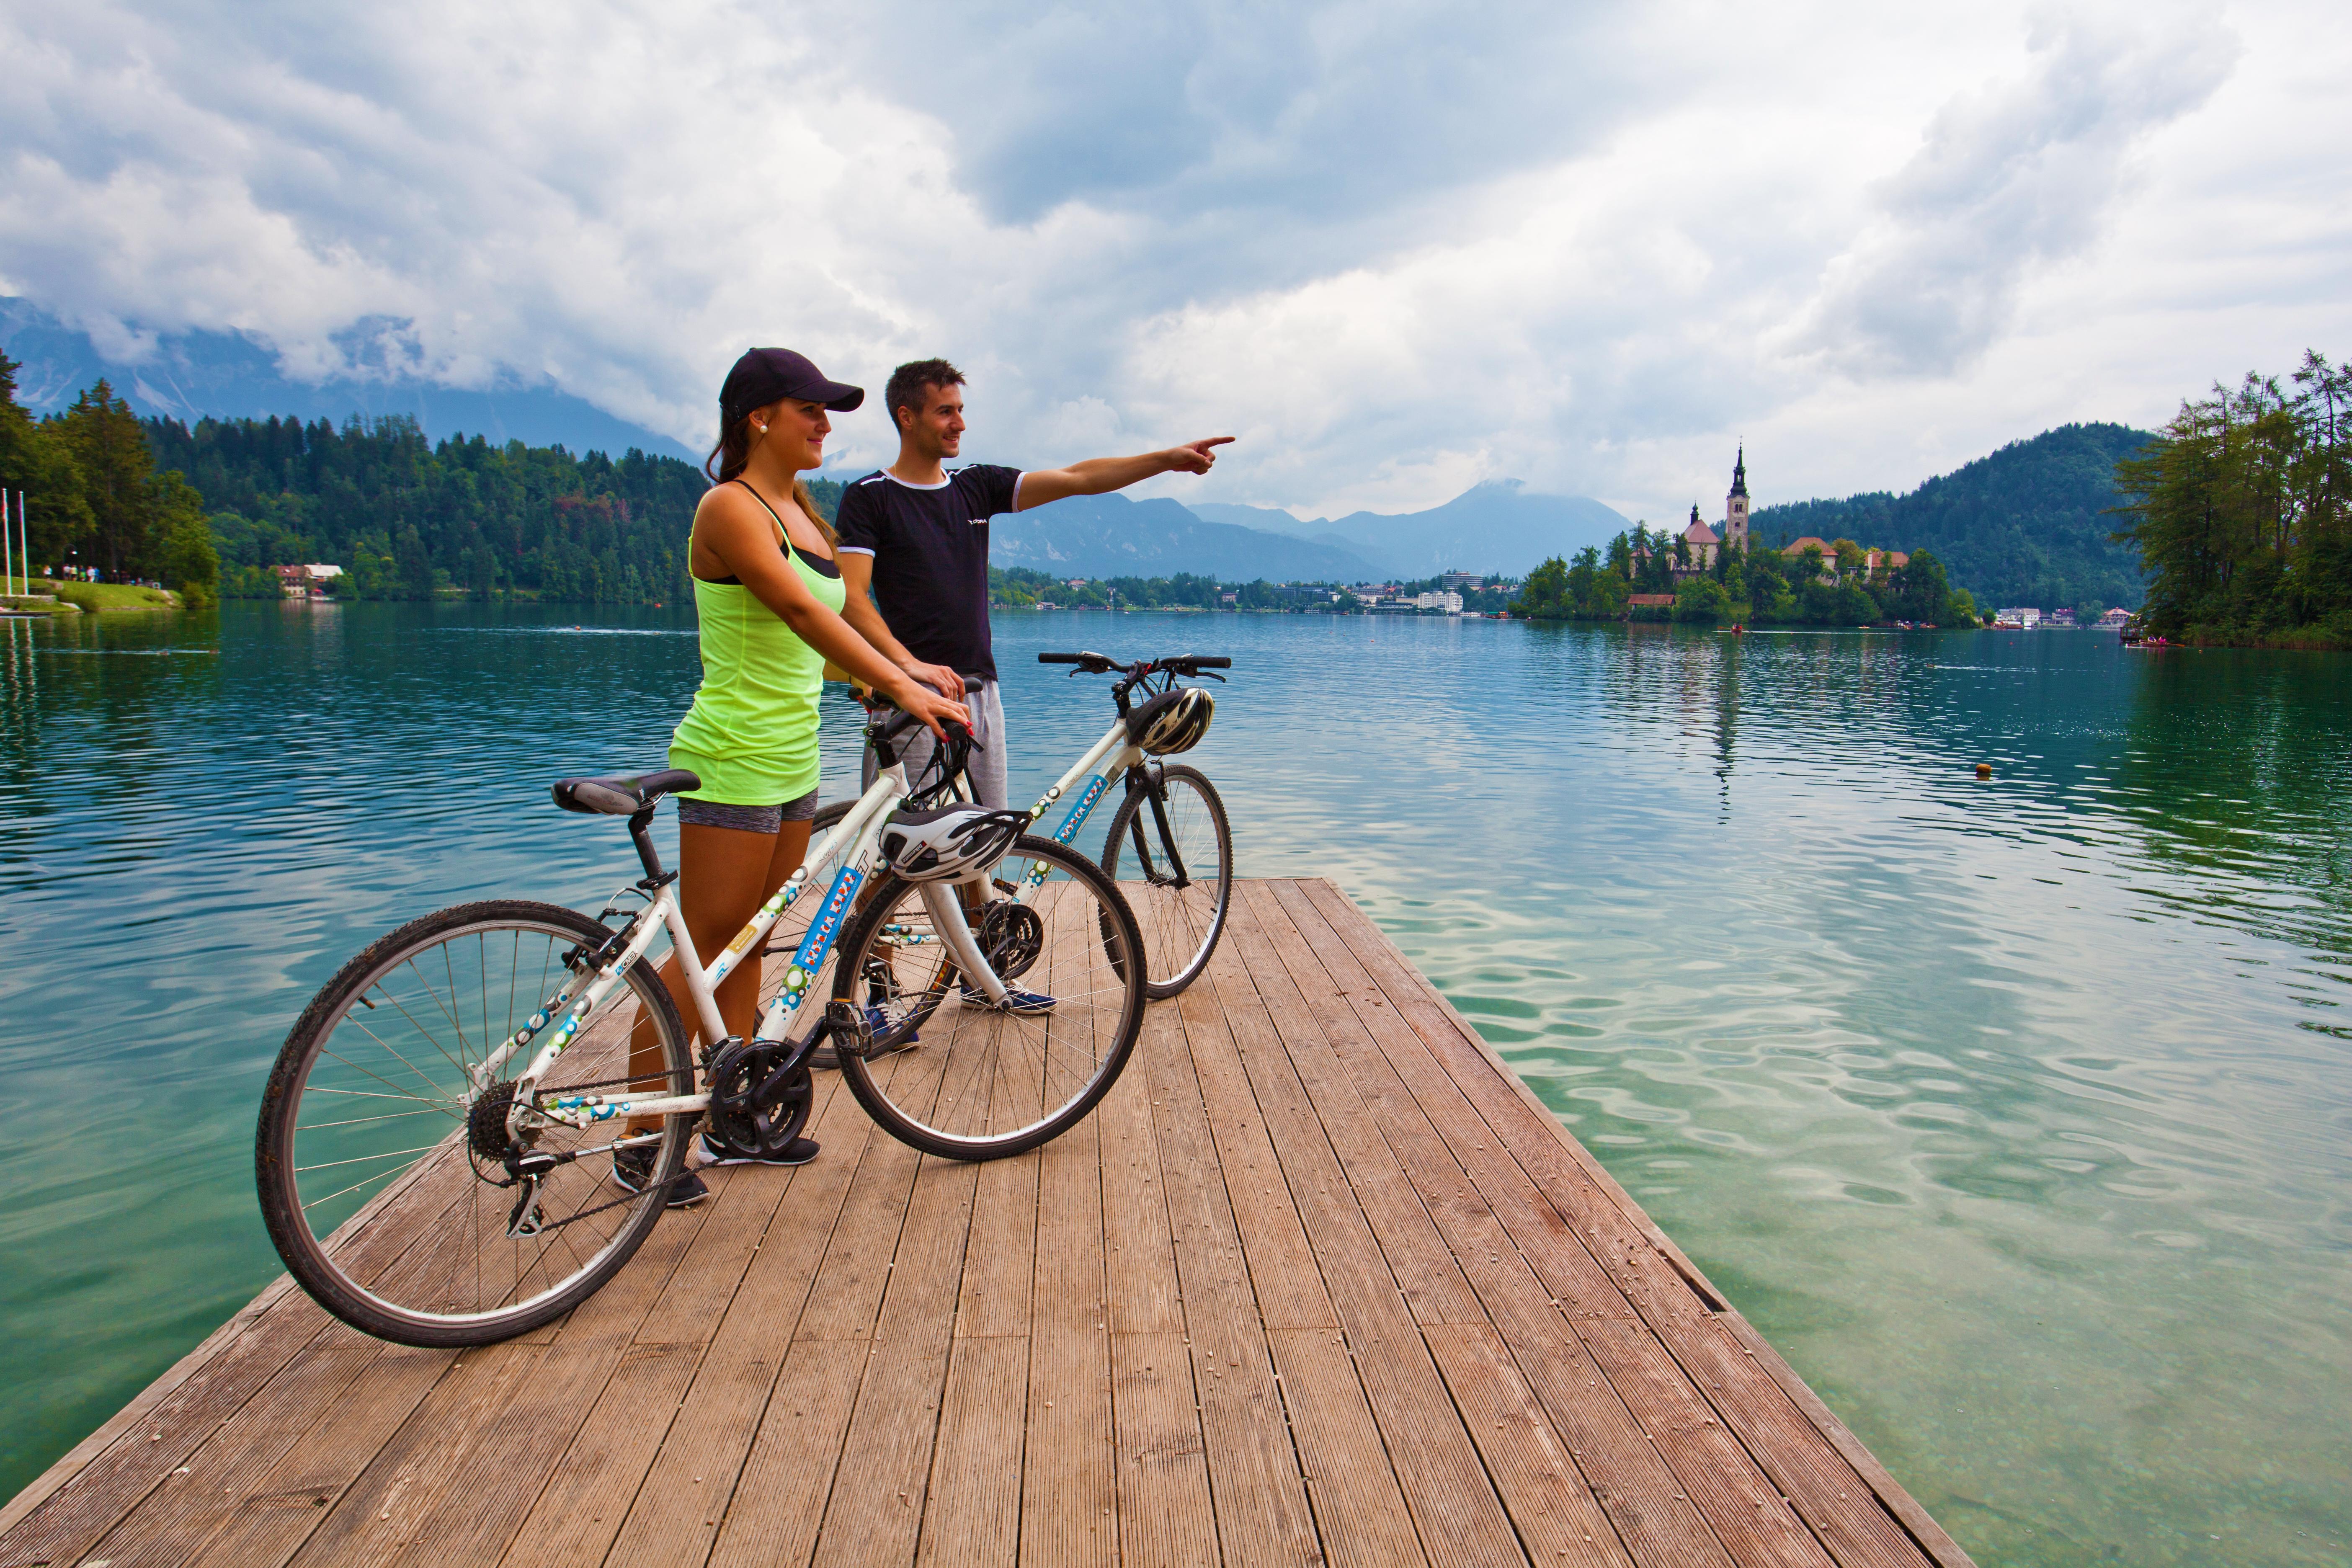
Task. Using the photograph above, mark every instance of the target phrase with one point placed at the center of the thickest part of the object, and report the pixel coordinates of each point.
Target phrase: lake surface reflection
(2014, 1112)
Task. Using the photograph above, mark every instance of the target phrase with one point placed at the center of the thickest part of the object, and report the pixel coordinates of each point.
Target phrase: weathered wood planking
(1320, 1282)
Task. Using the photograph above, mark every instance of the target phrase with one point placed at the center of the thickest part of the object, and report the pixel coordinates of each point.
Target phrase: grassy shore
(100, 596)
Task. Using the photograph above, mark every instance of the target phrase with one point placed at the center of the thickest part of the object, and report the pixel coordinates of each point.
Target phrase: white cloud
(2010, 177)
(1395, 248)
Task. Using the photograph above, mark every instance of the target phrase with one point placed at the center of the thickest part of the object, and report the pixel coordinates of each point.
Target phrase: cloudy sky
(1396, 248)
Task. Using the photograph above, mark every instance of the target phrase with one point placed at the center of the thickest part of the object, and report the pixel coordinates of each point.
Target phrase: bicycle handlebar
(1180, 664)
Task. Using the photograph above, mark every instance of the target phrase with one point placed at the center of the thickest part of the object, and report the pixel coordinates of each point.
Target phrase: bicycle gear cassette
(486, 1124)
(758, 1104)
(1010, 938)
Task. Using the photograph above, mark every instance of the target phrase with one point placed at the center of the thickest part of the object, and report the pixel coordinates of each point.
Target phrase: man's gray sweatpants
(986, 766)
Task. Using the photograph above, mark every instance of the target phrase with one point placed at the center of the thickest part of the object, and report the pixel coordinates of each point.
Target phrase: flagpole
(6, 571)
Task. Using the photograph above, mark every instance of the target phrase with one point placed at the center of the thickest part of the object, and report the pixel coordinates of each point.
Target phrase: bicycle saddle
(621, 797)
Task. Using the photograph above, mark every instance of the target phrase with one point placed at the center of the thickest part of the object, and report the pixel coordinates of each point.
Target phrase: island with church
(1717, 574)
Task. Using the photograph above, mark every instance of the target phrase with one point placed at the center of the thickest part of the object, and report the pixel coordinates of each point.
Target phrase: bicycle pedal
(847, 1030)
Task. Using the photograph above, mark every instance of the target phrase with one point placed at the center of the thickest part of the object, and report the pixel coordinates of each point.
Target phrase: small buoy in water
(1984, 770)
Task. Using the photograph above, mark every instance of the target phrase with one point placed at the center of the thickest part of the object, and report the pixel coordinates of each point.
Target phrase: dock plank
(1809, 1456)
(1454, 1504)
(1319, 1281)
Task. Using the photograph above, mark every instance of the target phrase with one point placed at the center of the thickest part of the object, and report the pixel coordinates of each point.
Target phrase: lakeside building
(2115, 619)
(302, 582)
(1873, 560)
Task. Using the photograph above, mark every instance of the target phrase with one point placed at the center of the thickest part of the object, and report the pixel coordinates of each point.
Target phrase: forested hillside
(2028, 525)
(403, 515)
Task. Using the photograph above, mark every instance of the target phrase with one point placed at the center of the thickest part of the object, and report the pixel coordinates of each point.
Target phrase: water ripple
(2014, 1112)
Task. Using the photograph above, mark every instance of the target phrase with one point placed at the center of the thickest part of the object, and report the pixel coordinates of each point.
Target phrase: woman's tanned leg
(724, 876)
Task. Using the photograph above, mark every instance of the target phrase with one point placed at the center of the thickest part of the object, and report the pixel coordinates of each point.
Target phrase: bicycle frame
(1112, 757)
(850, 848)
(1107, 759)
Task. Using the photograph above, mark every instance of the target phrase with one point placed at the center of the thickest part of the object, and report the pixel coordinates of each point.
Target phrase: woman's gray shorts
(745, 818)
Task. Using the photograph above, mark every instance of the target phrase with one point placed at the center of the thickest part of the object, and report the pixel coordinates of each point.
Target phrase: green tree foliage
(34, 462)
(186, 560)
(1701, 600)
(1553, 590)
(93, 496)
(117, 474)
(2028, 525)
(2240, 512)
(407, 518)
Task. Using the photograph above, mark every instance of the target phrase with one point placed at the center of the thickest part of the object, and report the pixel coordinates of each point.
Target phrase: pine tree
(35, 463)
(110, 448)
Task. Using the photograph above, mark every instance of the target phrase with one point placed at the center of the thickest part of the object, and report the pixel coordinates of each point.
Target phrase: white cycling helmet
(949, 842)
(1172, 722)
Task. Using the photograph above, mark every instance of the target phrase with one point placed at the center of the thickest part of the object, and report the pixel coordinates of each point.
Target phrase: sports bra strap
(819, 565)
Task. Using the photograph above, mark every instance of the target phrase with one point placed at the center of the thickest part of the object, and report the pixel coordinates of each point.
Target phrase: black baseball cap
(769, 375)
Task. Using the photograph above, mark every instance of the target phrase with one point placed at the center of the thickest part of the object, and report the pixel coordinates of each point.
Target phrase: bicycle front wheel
(381, 1172)
(955, 1075)
(1171, 854)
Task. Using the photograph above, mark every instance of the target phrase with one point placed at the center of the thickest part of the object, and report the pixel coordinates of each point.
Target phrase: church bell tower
(1734, 505)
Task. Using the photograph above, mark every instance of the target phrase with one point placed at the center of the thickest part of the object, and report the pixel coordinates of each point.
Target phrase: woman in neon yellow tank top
(767, 600)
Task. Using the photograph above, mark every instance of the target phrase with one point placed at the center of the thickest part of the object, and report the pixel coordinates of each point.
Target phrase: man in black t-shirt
(917, 534)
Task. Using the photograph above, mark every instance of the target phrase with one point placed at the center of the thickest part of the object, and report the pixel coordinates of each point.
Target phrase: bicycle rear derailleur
(491, 1144)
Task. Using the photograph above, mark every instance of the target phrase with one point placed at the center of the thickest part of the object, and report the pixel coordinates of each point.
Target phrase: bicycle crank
(760, 1100)
(1010, 937)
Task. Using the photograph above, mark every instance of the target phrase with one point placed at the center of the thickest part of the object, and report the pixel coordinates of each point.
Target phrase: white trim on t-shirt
(895, 480)
(1016, 488)
(851, 550)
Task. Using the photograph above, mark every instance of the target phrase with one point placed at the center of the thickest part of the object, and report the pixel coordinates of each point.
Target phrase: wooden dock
(1321, 1281)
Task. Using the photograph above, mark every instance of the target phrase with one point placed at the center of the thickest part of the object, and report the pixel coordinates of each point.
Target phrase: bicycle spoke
(462, 1274)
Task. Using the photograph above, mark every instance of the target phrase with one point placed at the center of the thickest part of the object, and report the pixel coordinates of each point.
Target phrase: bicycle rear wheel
(954, 1075)
(381, 1171)
(1175, 866)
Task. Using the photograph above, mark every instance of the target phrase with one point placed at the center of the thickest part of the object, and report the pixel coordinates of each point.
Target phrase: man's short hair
(910, 380)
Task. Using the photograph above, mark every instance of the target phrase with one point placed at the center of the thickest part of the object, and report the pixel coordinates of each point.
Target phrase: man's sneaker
(826, 1057)
(632, 1167)
(799, 1151)
(1028, 1002)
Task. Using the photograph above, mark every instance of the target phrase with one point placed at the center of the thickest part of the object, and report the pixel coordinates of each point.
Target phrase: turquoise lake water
(2013, 1112)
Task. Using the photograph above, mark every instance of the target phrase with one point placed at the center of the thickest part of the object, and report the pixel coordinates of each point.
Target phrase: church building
(1706, 542)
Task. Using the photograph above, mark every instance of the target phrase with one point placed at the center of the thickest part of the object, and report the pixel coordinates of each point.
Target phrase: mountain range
(1497, 527)
(1111, 536)
(187, 375)
(2025, 525)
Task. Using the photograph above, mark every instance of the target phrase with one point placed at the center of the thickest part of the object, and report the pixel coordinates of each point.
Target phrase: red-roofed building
(1703, 542)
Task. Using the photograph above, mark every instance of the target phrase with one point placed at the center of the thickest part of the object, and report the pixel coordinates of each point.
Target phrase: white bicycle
(1169, 847)
(435, 1141)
